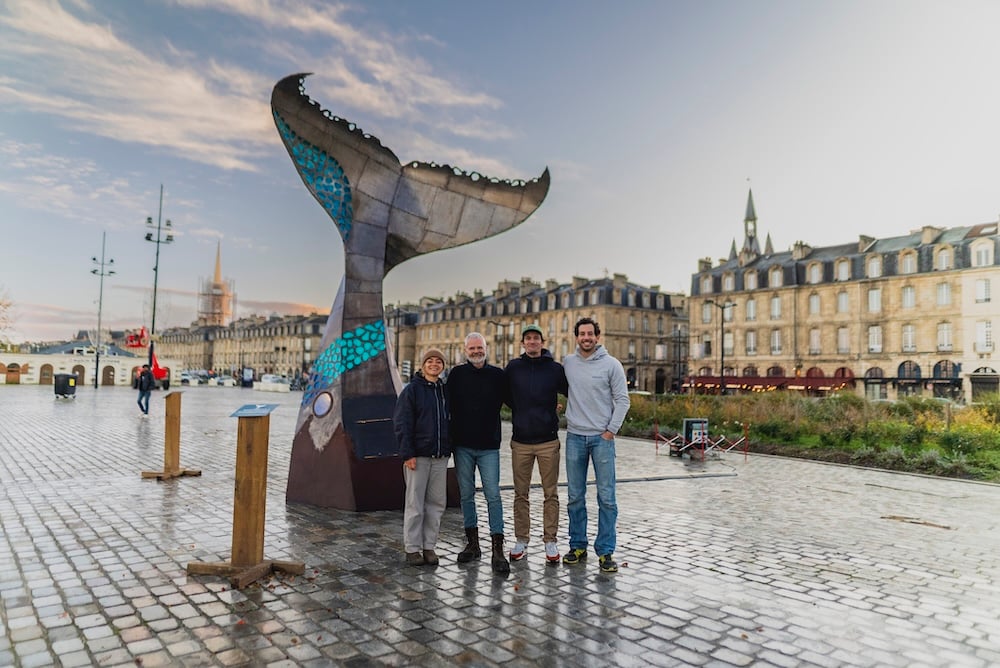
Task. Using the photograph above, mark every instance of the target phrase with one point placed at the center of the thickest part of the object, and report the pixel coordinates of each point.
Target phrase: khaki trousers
(523, 457)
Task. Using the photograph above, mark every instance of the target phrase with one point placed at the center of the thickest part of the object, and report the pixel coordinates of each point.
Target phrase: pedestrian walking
(476, 392)
(596, 407)
(535, 381)
(420, 420)
(145, 385)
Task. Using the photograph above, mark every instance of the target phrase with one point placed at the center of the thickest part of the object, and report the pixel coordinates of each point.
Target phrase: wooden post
(250, 498)
(172, 442)
(247, 563)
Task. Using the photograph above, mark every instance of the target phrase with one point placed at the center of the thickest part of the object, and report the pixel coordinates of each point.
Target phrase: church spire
(751, 246)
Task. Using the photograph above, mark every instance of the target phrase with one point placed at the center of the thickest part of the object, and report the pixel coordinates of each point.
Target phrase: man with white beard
(476, 392)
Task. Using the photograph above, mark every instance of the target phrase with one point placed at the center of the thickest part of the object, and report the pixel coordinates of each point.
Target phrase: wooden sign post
(172, 442)
(247, 563)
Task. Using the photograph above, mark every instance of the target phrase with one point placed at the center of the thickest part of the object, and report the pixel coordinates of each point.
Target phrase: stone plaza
(732, 561)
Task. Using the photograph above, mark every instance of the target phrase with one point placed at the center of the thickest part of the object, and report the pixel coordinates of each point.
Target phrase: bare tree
(6, 311)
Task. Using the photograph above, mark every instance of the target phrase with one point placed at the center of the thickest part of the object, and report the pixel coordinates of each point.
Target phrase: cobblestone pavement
(730, 562)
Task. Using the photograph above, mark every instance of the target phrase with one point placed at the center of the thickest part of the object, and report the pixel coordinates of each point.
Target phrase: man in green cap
(535, 381)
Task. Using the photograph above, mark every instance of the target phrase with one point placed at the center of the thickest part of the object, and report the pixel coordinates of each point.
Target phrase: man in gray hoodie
(595, 409)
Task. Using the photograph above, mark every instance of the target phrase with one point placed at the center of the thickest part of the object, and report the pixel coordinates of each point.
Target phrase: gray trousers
(425, 500)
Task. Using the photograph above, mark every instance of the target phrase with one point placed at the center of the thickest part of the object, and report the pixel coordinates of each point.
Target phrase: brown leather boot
(472, 550)
(500, 563)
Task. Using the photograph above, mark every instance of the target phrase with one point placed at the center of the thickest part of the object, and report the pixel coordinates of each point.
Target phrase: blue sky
(847, 118)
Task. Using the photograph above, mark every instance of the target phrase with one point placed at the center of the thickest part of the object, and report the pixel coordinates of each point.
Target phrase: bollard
(171, 442)
(247, 563)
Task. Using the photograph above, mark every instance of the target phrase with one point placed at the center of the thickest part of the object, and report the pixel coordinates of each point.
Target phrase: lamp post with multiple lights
(156, 235)
(724, 309)
(101, 270)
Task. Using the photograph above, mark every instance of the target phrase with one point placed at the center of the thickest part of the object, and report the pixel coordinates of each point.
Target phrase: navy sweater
(474, 398)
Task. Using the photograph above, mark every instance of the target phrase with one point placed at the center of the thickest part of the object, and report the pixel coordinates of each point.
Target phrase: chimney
(801, 250)
(619, 281)
(551, 284)
(704, 264)
(928, 234)
(864, 242)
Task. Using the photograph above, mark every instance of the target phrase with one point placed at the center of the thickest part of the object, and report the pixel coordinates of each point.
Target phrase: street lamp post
(102, 271)
(158, 239)
(722, 341)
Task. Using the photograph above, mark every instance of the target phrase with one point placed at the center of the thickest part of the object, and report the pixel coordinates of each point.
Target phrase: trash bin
(65, 384)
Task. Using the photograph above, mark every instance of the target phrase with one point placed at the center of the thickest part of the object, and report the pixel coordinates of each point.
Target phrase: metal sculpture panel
(344, 453)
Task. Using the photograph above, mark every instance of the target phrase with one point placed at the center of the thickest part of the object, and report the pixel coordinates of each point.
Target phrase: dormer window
(750, 280)
(728, 283)
(874, 266)
(843, 270)
(706, 285)
(908, 263)
(775, 277)
(815, 273)
(943, 260)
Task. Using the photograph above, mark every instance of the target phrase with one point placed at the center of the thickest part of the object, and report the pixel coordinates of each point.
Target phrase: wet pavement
(757, 561)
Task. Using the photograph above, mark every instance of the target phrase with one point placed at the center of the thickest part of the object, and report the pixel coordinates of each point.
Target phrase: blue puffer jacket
(421, 419)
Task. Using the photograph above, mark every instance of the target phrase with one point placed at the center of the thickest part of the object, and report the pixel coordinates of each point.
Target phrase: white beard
(479, 359)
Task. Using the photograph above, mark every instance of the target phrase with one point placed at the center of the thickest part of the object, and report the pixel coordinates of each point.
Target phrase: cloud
(81, 70)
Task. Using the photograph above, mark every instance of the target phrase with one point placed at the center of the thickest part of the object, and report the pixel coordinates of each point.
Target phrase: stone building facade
(906, 315)
(283, 345)
(642, 326)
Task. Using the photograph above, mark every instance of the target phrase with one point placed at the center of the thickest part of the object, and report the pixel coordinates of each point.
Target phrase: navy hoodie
(533, 386)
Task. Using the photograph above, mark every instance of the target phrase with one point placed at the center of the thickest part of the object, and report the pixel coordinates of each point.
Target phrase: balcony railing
(944, 347)
(984, 346)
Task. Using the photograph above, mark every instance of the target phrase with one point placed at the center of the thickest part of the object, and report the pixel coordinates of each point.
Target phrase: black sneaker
(608, 564)
(575, 556)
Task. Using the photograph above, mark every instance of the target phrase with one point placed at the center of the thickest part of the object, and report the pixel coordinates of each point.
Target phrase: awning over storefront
(767, 383)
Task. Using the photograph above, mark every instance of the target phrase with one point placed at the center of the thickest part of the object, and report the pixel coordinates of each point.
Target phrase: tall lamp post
(100, 269)
(722, 341)
(158, 237)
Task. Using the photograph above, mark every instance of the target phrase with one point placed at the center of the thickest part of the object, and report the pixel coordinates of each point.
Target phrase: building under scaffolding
(216, 297)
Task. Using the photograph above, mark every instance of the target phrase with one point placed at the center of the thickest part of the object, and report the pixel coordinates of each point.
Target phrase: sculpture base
(335, 478)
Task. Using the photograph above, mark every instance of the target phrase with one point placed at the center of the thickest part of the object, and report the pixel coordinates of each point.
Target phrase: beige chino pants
(523, 457)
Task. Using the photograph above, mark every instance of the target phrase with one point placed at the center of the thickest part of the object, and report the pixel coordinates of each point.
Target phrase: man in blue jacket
(535, 380)
(476, 393)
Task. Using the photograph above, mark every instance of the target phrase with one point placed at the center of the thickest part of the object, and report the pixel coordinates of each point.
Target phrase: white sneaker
(552, 553)
(517, 552)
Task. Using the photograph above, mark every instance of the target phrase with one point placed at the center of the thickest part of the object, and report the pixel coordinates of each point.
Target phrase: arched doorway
(875, 385)
(108, 375)
(908, 379)
(984, 380)
(80, 374)
(45, 375)
(946, 381)
(661, 381)
(13, 374)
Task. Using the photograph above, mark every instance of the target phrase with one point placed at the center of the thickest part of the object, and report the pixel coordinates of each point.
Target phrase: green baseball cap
(532, 328)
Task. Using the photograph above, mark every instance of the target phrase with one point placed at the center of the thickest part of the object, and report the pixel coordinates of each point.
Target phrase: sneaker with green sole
(575, 556)
(607, 562)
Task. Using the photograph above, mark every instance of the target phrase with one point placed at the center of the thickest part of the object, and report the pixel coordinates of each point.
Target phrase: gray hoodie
(598, 393)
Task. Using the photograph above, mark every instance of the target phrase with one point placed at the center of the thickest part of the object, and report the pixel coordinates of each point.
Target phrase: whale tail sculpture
(344, 452)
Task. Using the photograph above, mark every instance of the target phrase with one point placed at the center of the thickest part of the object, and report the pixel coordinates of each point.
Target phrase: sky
(654, 118)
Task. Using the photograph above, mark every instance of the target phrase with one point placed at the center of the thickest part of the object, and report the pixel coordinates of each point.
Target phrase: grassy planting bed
(916, 434)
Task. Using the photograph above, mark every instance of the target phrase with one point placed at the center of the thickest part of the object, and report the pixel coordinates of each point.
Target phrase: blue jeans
(488, 461)
(144, 401)
(580, 450)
